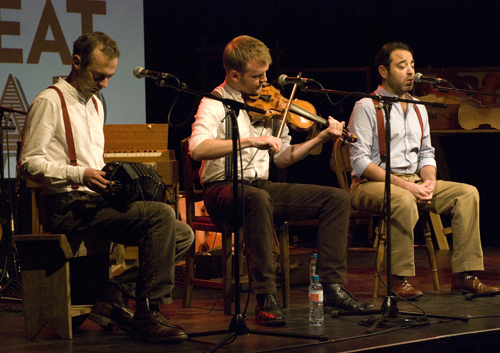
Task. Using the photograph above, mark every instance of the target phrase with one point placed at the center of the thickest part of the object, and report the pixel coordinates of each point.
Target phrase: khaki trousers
(461, 201)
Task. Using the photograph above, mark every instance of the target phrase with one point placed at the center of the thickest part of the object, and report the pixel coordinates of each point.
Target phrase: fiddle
(301, 115)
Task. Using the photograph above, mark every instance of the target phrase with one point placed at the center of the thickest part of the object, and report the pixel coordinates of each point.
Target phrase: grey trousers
(152, 226)
(267, 203)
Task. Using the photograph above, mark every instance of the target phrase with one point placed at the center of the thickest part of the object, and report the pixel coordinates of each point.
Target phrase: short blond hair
(241, 50)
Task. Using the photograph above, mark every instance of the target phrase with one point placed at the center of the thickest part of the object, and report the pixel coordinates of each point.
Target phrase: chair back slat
(192, 186)
(340, 163)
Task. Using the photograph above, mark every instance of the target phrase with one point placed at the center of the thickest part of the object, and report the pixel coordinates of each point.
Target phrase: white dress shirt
(44, 154)
(209, 124)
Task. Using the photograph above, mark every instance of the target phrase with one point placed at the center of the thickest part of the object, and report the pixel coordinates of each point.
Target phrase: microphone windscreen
(418, 77)
(282, 79)
(138, 72)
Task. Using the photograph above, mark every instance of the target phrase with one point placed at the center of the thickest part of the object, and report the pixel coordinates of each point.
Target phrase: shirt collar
(73, 91)
(380, 91)
(232, 92)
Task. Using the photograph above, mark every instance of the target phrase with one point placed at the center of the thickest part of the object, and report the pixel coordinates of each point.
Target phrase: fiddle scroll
(346, 137)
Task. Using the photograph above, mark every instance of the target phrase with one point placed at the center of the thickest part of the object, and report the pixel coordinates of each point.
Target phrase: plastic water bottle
(316, 315)
(312, 266)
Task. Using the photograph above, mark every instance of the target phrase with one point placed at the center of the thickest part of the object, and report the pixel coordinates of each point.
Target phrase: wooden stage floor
(474, 325)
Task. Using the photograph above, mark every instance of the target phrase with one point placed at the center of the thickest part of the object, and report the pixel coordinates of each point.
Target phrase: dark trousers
(152, 226)
(267, 203)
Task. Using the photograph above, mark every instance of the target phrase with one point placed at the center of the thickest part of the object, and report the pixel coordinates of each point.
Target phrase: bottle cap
(315, 277)
(315, 255)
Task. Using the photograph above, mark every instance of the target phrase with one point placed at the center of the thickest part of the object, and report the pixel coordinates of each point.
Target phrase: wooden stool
(45, 272)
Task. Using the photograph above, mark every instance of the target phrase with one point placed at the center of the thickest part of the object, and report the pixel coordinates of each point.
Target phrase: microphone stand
(237, 326)
(438, 87)
(6, 213)
(389, 306)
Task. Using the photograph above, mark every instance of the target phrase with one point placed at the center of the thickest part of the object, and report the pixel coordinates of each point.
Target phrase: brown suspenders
(381, 127)
(67, 127)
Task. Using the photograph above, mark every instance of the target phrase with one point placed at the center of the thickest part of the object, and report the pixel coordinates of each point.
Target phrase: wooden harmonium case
(142, 143)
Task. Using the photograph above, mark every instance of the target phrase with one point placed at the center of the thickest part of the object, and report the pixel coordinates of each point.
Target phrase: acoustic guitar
(472, 115)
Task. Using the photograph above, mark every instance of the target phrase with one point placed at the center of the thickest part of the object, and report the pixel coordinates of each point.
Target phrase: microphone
(140, 72)
(285, 80)
(421, 78)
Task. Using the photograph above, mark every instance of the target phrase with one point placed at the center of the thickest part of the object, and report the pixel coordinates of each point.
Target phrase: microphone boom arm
(378, 98)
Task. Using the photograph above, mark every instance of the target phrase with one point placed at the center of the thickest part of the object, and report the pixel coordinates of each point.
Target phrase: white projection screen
(36, 42)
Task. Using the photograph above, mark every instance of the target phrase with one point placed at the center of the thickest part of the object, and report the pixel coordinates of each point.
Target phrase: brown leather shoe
(153, 326)
(405, 290)
(469, 283)
(112, 310)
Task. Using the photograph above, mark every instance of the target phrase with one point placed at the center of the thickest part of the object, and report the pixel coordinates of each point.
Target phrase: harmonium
(144, 143)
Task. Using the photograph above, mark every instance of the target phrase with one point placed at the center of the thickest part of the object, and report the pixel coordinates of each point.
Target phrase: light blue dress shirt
(409, 153)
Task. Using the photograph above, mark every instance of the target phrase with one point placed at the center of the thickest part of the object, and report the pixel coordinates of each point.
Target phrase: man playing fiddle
(246, 61)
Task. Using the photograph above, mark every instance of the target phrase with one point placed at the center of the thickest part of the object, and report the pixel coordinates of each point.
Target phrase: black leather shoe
(336, 296)
(268, 311)
(153, 326)
(112, 310)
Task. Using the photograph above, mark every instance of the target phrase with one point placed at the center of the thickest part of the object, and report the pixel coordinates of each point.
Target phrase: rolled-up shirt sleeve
(206, 124)
(427, 153)
(363, 125)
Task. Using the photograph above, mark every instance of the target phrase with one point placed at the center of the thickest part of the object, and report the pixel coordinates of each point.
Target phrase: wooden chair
(291, 222)
(194, 193)
(52, 294)
(440, 231)
(340, 163)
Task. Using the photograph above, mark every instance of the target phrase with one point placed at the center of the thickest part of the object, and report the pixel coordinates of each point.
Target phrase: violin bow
(287, 108)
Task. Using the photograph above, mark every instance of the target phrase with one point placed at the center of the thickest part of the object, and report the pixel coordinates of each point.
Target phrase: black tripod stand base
(338, 313)
(389, 309)
(437, 316)
(238, 327)
(321, 338)
(471, 296)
